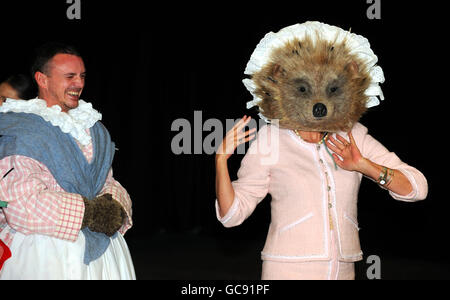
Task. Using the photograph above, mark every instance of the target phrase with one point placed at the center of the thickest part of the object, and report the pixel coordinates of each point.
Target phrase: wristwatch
(382, 178)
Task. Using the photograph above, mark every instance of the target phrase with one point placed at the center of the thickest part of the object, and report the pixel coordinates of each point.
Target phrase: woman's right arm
(224, 189)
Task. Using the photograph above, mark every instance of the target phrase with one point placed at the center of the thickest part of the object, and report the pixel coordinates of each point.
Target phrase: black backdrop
(150, 64)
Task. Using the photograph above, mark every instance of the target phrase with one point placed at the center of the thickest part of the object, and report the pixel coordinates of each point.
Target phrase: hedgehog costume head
(314, 77)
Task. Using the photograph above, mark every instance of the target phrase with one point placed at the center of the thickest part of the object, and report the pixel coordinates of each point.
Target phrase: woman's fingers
(333, 147)
(249, 138)
(239, 125)
(248, 132)
(338, 160)
(342, 140)
(335, 144)
(340, 143)
(236, 136)
(242, 136)
(237, 129)
(352, 139)
(242, 123)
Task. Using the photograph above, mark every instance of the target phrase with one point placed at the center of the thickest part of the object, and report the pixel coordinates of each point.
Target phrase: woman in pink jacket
(312, 174)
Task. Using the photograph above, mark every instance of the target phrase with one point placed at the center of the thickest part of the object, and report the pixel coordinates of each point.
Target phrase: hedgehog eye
(334, 89)
(302, 89)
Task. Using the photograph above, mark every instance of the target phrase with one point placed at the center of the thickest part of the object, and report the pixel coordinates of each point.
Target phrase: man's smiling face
(64, 81)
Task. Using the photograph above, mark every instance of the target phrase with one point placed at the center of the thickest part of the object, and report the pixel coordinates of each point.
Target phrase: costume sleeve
(35, 206)
(373, 150)
(252, 184)
(119, 193)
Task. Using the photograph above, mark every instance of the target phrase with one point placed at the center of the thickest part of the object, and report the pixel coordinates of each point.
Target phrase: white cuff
(231, 212)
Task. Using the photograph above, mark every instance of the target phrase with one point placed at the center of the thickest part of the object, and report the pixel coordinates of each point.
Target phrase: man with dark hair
(53, 71)
(64, 213)
(46, 52)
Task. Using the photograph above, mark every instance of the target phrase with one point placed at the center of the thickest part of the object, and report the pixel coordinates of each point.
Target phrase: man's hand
(103, 214)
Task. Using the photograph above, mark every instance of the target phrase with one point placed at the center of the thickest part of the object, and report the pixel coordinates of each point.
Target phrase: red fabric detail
(5, 253)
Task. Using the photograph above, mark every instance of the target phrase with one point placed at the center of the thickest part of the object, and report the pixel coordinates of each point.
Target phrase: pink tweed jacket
(306, 191)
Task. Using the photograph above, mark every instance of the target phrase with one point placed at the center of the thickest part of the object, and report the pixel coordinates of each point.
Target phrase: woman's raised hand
(346, 153)
(234, 138)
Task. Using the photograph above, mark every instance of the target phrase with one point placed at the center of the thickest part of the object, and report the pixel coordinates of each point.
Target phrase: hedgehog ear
(277, 71)
(353, 69)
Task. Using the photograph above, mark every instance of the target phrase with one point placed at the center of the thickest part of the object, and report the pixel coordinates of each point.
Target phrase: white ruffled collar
(75, 122)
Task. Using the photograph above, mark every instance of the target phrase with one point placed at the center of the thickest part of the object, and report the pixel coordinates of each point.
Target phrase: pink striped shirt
(38, 205)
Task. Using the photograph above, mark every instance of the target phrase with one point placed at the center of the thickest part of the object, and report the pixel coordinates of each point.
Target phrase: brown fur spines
(103, 214)
(306, 72)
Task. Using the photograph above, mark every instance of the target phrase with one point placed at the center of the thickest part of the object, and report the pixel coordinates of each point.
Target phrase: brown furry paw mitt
(103, 214)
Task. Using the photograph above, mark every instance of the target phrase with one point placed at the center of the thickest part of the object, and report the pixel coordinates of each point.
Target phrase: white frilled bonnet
(357, 44)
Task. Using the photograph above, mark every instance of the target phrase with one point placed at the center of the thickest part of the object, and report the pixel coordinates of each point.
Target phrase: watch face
(382, 182)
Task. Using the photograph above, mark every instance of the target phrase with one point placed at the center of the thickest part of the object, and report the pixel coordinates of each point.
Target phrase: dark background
(150, 64)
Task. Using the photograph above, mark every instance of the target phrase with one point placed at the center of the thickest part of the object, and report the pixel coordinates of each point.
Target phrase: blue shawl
(30, 135)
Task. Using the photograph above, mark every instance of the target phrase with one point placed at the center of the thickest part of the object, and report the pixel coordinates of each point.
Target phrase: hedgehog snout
(320, 110)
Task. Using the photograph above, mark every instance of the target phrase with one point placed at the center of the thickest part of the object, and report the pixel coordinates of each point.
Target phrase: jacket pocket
(298, 222)
(352, 221)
